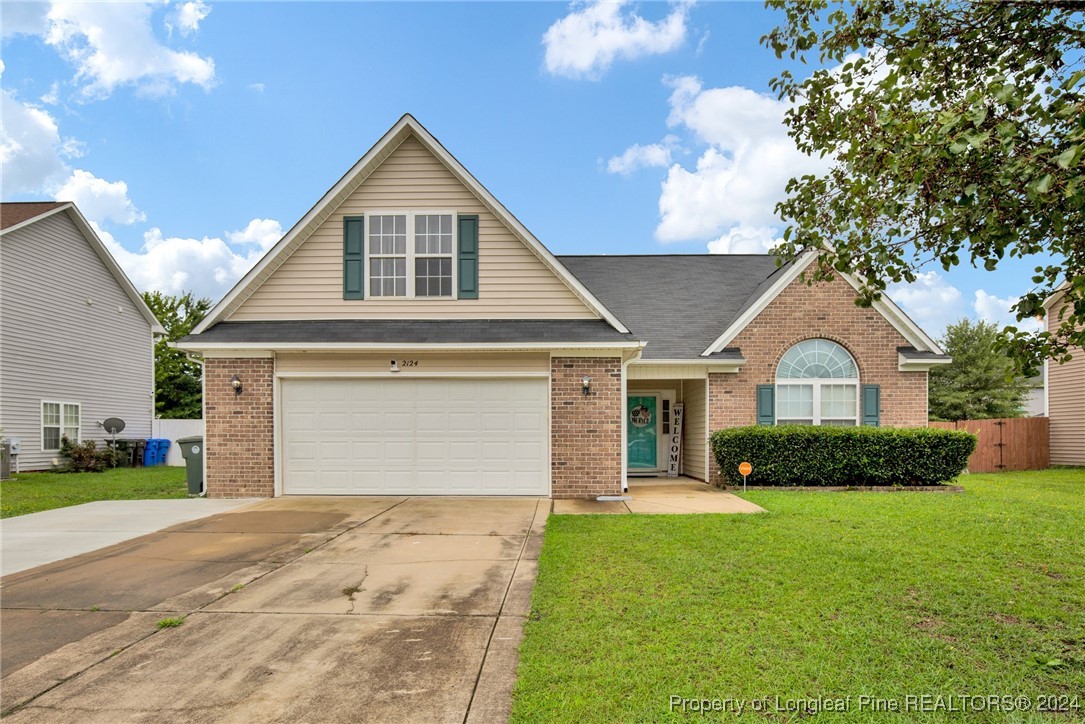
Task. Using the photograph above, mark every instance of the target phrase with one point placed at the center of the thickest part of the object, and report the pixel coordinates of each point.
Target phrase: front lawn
(886, 595)
(33, 492)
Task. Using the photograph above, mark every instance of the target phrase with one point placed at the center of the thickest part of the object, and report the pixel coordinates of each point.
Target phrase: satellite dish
(113, 425)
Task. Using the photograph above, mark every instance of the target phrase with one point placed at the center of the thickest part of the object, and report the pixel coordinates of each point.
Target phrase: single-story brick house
(410, 336)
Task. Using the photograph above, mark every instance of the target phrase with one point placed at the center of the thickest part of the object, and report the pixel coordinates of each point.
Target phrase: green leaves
(957, 132)
(178, 390)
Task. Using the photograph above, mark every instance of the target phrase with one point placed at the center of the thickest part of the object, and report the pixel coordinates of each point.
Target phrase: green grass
(33, 492)
(827, 595)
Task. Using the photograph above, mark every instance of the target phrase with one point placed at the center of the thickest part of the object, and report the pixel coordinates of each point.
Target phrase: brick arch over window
(795, 341)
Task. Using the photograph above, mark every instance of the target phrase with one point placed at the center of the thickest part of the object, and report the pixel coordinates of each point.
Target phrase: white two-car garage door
(415, 437)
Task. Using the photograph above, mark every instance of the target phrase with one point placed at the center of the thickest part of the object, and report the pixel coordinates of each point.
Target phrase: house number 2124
(408, 363)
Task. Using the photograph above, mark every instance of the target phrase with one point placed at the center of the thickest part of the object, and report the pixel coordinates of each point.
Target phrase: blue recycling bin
(149, 452)
(156, 451)
(163, 451)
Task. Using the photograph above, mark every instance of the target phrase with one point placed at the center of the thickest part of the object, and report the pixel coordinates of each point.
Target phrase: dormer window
(410, 254)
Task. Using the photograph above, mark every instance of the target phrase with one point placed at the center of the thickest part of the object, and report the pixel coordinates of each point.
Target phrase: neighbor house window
(410, 254)
(58, 420)
(817, 383)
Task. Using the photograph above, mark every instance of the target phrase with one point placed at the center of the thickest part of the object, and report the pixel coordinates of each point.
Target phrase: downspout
(627, 359)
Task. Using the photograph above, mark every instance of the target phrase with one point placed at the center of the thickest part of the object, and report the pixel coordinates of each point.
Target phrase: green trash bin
(192, 452)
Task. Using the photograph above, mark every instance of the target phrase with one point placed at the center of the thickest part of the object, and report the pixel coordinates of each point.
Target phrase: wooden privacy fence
(1011, 443)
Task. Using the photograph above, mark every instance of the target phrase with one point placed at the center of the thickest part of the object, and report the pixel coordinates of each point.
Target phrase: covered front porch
(666, 424)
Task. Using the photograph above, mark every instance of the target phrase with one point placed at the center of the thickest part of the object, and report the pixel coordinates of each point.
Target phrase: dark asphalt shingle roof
(413, 331)
(678, 304)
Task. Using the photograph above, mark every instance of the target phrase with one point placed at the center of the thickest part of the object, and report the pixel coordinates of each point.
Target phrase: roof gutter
(386, 346)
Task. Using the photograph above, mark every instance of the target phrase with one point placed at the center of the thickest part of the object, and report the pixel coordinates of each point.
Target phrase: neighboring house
(410, 336)
(1035, 394)
(1065, 395)
(76, 339)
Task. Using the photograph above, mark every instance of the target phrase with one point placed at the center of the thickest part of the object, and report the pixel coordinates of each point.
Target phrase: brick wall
(239, 442)
(586, 447)
(824, 310)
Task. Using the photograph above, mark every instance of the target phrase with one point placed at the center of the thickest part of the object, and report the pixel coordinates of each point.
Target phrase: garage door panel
(415, 436)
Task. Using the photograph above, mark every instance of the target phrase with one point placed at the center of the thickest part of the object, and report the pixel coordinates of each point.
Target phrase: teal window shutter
(766, 404)
(353, 257)
(872, 401)
(467, 259)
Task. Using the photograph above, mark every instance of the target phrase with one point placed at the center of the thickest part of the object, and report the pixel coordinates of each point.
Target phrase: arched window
(817, 383)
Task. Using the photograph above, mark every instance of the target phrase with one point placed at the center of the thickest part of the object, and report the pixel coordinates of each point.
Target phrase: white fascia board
(1058, 294)
(296, 230)
(914, 365)
(408, 122)
(198, 346)
(115, 268)
(34, 219)
(748, 316)
(718, 365)
(884, 306)
(100, 249)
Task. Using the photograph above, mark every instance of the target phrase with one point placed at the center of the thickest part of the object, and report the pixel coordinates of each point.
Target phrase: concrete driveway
(295, 609)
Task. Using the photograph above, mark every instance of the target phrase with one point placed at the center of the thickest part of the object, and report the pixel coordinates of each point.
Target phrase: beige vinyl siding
(331, 364)
(68, 333)
(694, 435)
(1066, 403)
(513, 282)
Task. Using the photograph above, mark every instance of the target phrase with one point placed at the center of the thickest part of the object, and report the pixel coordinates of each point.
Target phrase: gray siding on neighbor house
(68, 333)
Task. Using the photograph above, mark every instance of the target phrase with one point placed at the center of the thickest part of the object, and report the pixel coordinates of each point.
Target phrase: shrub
(86, 457)
(808, 455)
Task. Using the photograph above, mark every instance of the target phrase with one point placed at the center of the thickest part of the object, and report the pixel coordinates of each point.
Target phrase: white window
(817, 383)
(410, 254)
(58, 420)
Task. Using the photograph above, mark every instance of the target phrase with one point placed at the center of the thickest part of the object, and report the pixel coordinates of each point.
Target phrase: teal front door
(642, 417)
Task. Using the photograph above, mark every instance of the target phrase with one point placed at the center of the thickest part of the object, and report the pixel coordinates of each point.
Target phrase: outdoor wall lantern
(235, 382)
(586, 385)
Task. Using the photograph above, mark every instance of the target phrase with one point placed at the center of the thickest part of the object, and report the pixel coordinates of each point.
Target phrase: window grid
(829, 391)
(59, 420)
(421, 269)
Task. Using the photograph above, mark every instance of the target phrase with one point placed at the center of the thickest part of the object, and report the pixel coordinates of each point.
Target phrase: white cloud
(99, 199)
(996, 310)
(113, 44)
(262, 232)
(741, 175)
(186, 17)
(173, 264)
(585, 43)
(931, 301)
(256, 87)
(31, 150)
(746, 240)
(23, 18)
(50, 98)
(638, 156)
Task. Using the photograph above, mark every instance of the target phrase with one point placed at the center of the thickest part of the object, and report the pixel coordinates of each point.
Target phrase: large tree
(957, 135)
(981, 382)
(177, 379)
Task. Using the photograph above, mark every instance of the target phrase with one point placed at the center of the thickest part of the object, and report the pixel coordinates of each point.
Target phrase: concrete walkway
(675, 496)
(27, 541)
(329, 609)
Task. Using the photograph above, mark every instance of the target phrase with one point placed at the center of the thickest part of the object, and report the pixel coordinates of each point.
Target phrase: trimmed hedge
(792, 455)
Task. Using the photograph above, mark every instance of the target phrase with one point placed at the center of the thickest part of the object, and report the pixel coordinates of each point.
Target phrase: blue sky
(194, 133)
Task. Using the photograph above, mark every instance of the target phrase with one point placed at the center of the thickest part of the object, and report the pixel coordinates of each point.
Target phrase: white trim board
(267, 348)
(885, 306)
(100, 249)
(403, 128)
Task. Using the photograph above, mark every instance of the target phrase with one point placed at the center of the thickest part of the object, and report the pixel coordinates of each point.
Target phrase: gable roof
(678, 303)
(772, 288)
(405, 127)
(25, 214)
